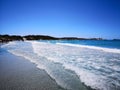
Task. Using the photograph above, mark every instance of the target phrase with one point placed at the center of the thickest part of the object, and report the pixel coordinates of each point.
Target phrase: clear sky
(79, 18)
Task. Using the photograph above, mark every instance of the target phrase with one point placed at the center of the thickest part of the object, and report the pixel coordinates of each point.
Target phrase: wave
(83, 62)
(99, 70)
(64, 78)
(92, 47)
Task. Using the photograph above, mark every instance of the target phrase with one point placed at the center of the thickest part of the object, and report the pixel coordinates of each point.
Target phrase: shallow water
(17, 73)
(73, 66)
(98, 43)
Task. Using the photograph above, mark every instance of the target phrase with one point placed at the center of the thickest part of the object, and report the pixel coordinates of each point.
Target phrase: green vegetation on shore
(7, 38)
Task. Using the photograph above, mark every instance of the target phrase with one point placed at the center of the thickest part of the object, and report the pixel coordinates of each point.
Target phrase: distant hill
(39, 37)
(116, 39)
(7, 38)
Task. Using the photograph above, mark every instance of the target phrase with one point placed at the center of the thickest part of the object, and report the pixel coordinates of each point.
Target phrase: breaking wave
(70, 64)
(92, 47)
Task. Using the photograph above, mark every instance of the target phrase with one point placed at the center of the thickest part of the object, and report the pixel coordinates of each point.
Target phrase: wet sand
(17, 73)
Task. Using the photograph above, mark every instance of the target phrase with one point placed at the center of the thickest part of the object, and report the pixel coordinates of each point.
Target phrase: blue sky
(76, 18)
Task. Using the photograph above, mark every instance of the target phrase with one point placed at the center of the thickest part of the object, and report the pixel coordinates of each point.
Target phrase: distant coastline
(7, 38)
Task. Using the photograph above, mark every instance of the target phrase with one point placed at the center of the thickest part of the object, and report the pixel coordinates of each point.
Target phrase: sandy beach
(36, 65)
(17, 73)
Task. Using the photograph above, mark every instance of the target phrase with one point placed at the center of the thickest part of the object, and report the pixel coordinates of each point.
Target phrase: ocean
(74, 64)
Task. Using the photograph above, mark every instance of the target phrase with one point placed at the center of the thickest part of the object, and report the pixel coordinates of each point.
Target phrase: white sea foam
(56, 71)
(89, 78)
(92, 47)
(17, 48)
(96, 68)
(90, 64)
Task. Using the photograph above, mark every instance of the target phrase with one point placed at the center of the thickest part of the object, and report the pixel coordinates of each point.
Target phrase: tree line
(7, 38)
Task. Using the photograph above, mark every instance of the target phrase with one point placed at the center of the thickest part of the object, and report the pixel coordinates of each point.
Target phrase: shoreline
(18, 73)
(17, 62)
(24, 62)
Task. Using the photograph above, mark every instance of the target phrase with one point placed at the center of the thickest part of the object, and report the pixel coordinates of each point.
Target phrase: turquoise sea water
(99, 43)
(74, 64)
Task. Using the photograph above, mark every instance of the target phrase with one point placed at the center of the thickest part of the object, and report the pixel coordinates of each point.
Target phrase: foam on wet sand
(16, 73)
